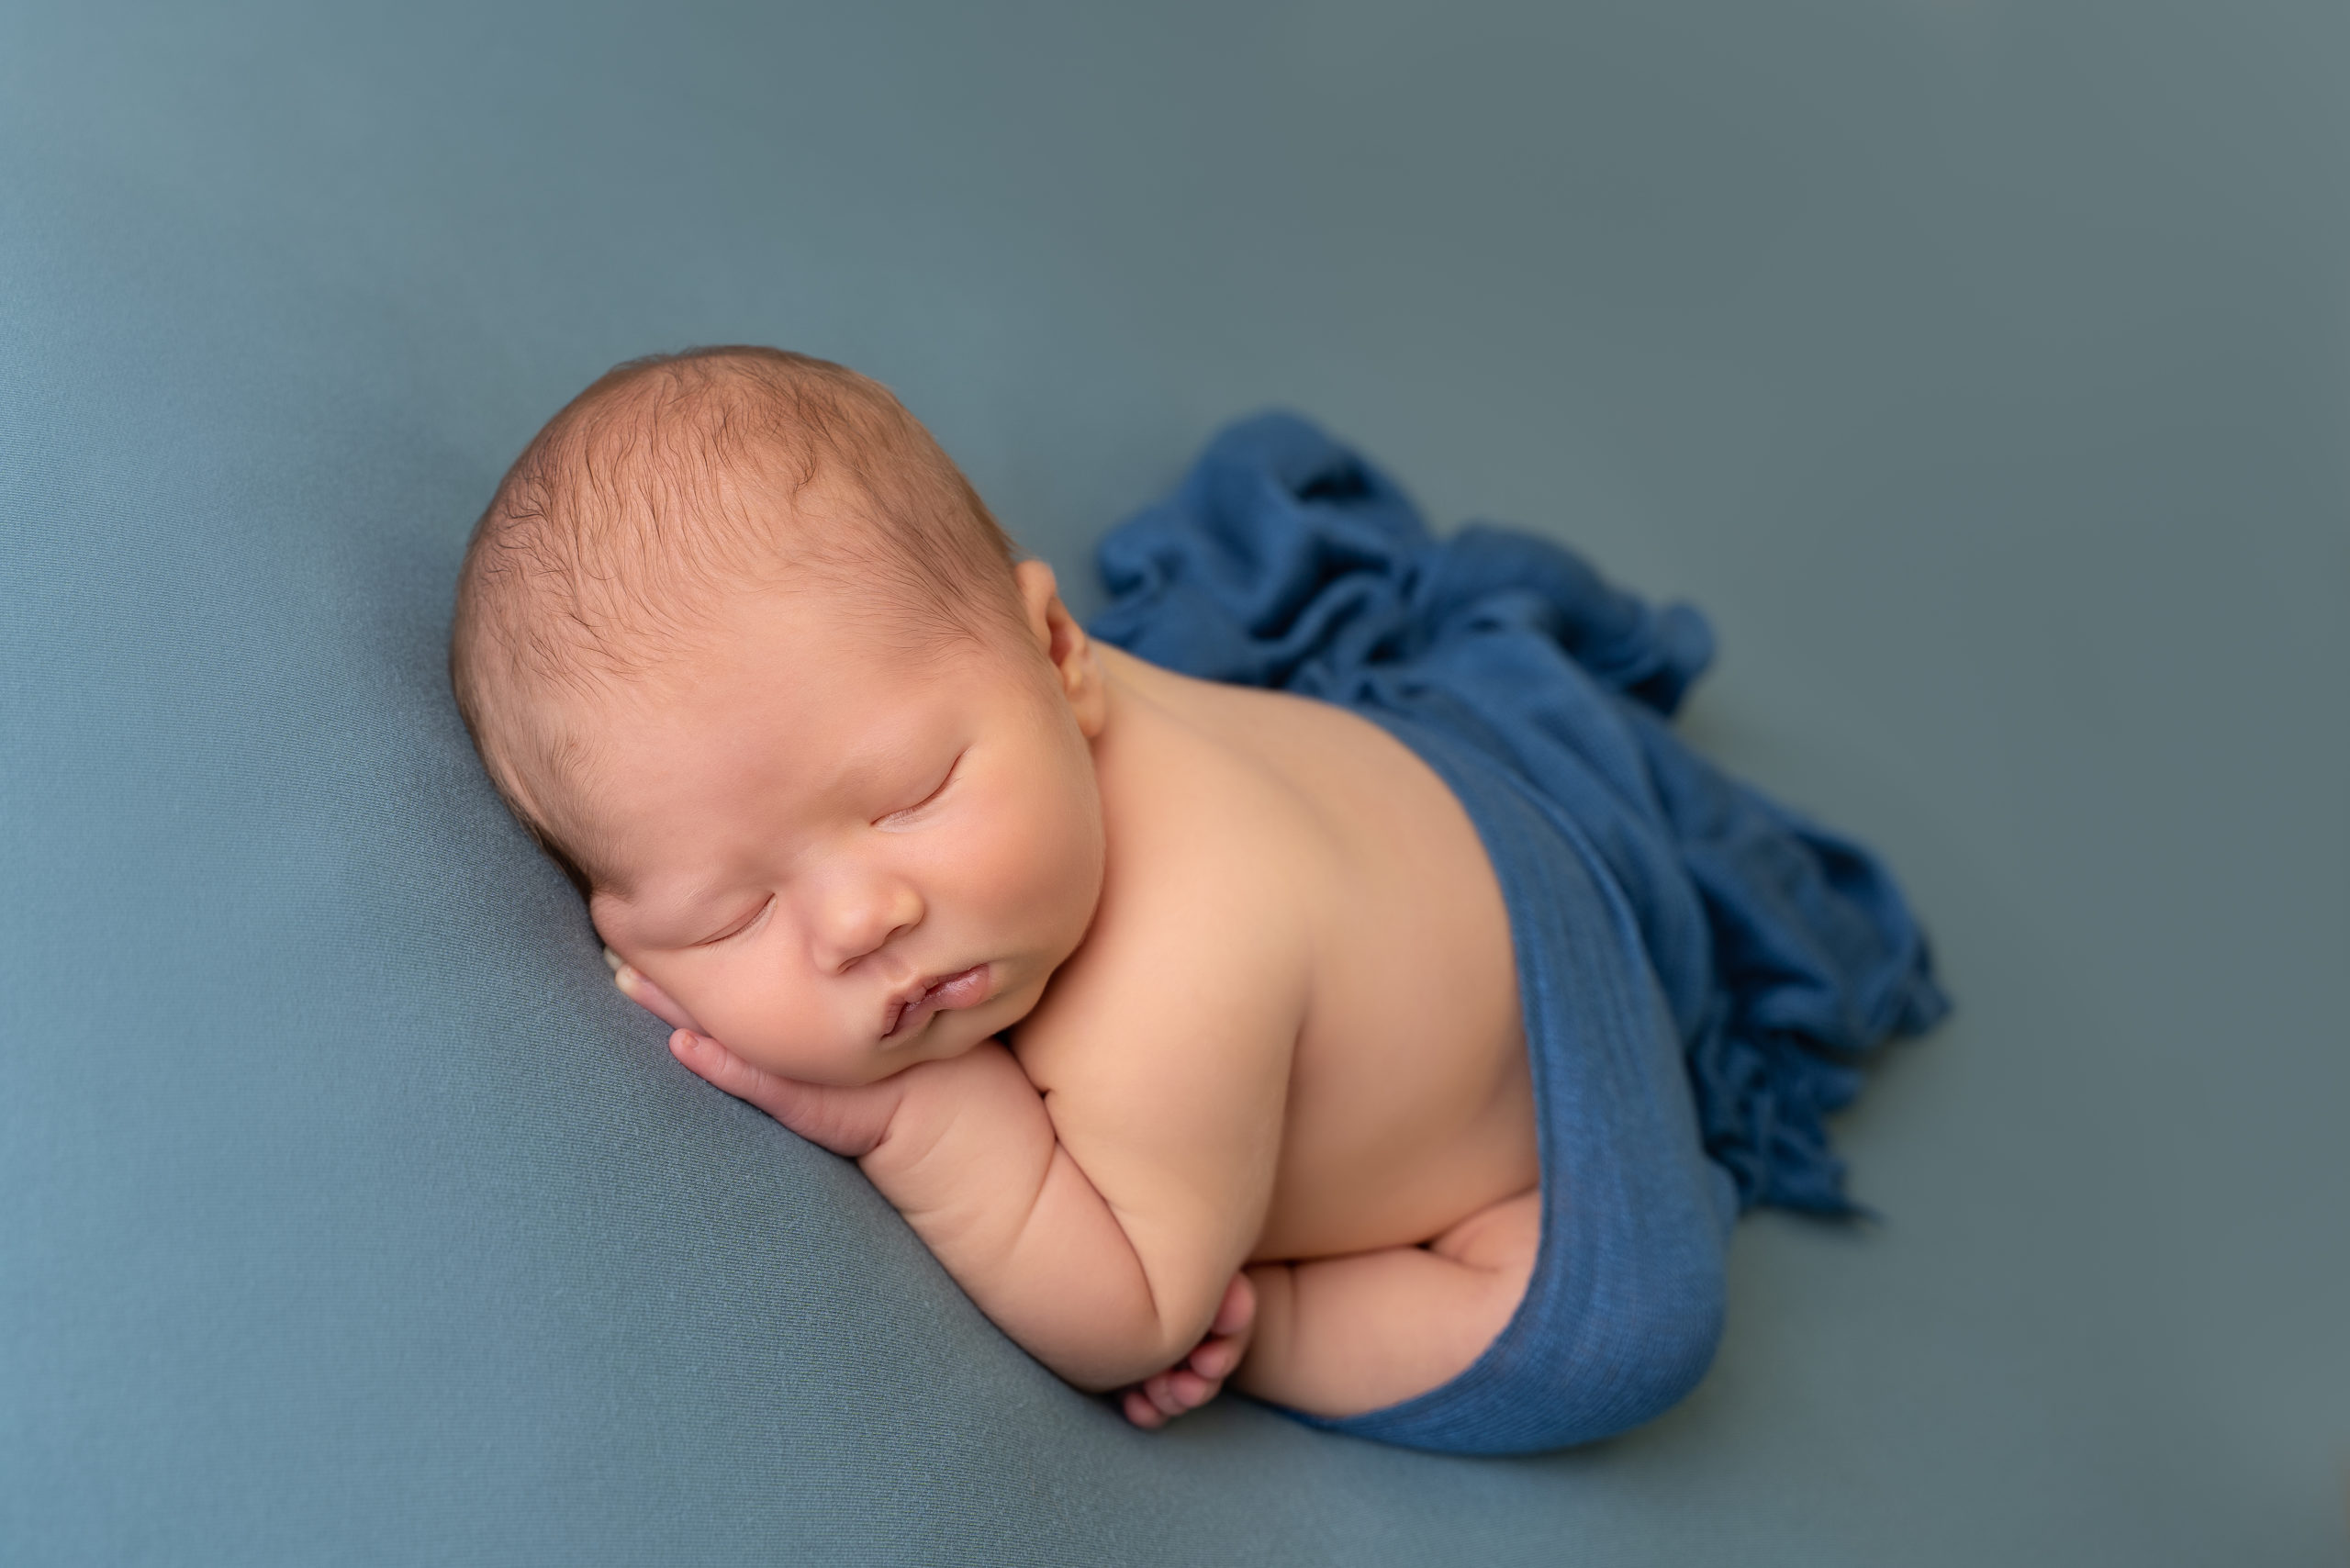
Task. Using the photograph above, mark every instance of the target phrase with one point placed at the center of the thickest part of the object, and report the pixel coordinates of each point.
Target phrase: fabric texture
(1977, 368)
(1699, 967)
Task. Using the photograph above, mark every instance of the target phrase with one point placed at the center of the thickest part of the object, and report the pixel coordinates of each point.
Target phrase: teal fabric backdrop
(1983, 370)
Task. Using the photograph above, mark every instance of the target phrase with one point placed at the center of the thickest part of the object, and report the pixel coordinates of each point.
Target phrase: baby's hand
(1198, 1377)
(846, 1120)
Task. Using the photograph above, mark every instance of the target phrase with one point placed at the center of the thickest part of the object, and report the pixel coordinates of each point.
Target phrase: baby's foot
(1198, 1377)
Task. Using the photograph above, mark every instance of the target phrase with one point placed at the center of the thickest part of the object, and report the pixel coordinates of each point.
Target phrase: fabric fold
(1786, 952)
(1700, 970)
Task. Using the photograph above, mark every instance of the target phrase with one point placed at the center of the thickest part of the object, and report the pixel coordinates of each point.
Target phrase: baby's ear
(1064, 645)
(1039, 591)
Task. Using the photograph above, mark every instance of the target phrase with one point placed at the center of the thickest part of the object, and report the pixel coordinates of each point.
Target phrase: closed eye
(931, 798)
(739, 927)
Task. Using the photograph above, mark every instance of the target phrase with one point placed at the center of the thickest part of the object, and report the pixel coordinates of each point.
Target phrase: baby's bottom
(1340, 1336)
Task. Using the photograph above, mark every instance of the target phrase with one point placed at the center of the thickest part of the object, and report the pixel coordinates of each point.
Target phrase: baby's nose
(860, 916)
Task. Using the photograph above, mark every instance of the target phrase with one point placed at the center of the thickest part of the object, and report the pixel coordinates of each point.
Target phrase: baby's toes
(1235, 1314)
(1182, 1388)
(1215, 1358)
(1189, 1389)
(1160, 1390)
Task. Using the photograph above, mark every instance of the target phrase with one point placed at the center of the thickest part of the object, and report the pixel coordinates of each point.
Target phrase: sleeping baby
(1326, 976)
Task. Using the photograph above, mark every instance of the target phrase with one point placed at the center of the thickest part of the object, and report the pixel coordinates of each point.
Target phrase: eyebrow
(880, 765)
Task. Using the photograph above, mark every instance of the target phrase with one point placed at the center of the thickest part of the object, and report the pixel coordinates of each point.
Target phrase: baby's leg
(1340, 1336)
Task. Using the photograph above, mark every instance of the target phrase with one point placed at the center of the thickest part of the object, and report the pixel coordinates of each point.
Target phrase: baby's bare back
(1408, 1101)
(1287, 1043)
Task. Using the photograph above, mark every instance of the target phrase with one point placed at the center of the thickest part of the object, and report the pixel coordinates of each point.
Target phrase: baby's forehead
(665, 485)
(680, 482)
(653, 564)
(801, 683)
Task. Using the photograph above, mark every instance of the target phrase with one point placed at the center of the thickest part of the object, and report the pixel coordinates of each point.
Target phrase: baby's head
(744, 650)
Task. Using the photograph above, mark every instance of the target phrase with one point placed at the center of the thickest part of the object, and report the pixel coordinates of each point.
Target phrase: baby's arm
(1098, 1221)
(967, 1151)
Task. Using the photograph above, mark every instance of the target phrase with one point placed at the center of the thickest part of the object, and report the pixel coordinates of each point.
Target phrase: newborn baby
(1179, 1018)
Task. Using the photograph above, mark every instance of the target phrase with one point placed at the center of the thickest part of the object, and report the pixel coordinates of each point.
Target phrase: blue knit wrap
(1699, 967)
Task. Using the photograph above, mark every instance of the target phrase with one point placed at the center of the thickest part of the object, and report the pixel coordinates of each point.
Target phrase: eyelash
(952, 769)
(737, 931)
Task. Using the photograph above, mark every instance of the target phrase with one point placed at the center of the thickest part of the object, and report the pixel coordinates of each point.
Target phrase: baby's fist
(1198, 1377)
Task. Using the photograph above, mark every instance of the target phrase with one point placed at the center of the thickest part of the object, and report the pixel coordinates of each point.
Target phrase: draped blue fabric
(1700, 967)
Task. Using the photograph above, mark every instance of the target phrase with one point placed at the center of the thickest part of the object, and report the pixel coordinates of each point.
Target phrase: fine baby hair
(676, 477)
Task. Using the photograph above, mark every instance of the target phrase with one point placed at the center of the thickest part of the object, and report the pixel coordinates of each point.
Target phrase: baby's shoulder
(1203, 941)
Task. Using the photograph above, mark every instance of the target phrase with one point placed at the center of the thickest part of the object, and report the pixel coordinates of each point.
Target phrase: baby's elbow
(1104, 1368)
(1109, 1351)
(1113, 1361)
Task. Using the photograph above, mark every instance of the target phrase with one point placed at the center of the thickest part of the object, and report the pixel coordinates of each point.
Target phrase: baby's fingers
(645, 994)
(1141, 1411)
(721, 1068)
(1174, 1393)
(846, 1120)
(1184, 1390)
(793, 1104)
(1215, 1358)
(1183, 1387)
(1235, 1314)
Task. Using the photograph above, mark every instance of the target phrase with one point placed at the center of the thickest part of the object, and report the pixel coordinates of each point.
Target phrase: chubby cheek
(1033, 877)
(770, 1020)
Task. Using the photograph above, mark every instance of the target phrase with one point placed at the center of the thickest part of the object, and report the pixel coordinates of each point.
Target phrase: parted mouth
(937, 993)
